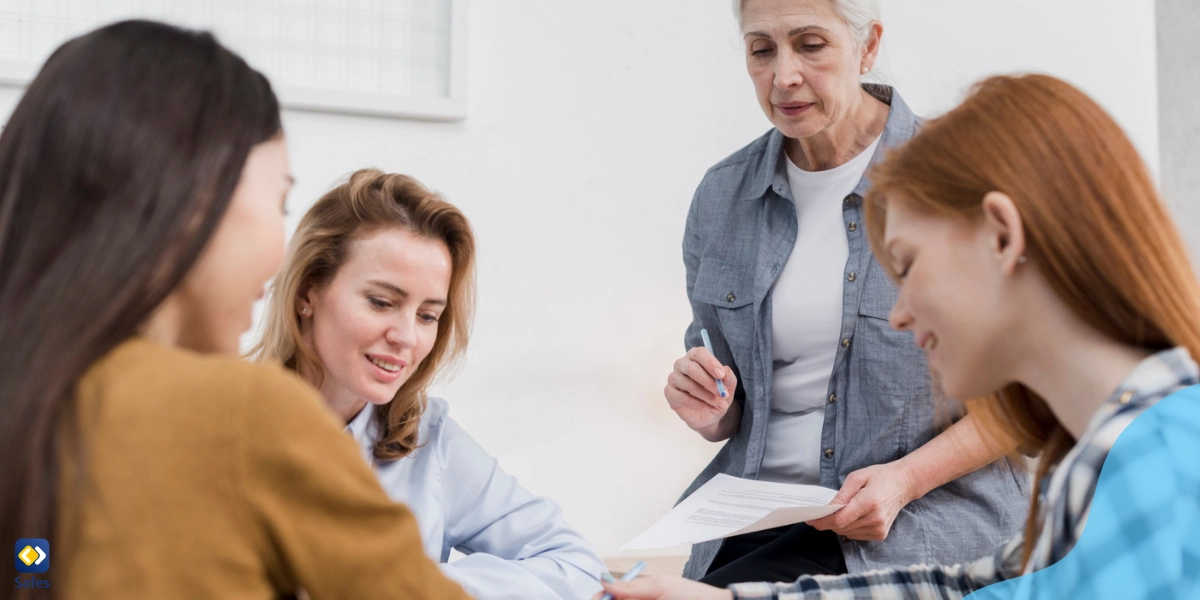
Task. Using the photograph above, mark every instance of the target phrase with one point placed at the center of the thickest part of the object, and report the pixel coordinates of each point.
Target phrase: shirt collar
(901, 125)
(359, 425)
(1157, 376)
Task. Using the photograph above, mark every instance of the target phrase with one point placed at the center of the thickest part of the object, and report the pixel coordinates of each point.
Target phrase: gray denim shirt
(740, 232)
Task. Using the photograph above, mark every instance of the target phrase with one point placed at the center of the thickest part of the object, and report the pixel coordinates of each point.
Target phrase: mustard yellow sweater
(210, 477)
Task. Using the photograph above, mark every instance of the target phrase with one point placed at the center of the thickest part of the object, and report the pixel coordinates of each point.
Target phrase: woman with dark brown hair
(374, 301)
(142, 181)
(1040, 272)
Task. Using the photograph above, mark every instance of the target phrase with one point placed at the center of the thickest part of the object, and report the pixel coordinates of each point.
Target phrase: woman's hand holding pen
(694, 395)
(663, 587)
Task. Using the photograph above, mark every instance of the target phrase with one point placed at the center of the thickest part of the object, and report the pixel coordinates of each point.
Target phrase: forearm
(918, 581)
(487, 577)
(961, 449)
(726, 427)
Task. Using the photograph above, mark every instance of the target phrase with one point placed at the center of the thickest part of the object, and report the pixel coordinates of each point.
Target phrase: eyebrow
(403, 294)
(793, 33)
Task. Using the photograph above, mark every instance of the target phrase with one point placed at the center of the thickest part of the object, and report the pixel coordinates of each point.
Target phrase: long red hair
(1094, 221)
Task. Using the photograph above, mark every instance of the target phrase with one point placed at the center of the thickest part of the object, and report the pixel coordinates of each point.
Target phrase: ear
(305, 300)
(871, 48)
(1004, 226)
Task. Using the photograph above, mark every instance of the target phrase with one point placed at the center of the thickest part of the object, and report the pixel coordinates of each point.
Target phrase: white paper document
(728, 506)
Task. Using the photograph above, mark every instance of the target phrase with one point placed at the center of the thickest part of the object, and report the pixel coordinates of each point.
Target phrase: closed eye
(379, 303)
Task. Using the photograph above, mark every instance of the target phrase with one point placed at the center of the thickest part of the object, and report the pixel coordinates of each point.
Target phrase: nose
(900, 318)
(403, 332)
(789, 69)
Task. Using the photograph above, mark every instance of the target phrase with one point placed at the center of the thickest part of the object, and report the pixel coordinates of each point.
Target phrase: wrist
(911, 482)
(723, 428)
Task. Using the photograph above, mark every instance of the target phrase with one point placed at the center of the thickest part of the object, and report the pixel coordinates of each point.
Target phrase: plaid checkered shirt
(1066, 501)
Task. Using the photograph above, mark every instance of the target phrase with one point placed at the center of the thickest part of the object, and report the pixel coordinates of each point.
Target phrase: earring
(865, 69)
(1021, 259)
(304, 311)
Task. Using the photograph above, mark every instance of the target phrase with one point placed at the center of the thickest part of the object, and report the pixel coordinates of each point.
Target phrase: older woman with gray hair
(818, 388)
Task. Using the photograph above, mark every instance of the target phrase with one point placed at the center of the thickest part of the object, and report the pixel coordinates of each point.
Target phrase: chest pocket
(729, 289)
(723, 284)
(889, 361)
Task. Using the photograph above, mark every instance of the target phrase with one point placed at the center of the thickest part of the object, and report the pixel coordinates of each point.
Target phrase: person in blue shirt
(374, 299)
(1040, 272)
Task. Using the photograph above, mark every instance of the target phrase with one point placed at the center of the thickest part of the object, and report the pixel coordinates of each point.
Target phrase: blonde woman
(374, 299)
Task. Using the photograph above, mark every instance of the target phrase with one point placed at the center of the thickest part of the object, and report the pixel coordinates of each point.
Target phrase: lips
(792, 109)
(386, 368)
(927, 341)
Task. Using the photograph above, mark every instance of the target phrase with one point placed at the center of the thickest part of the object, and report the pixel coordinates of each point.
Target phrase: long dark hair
(115, 168)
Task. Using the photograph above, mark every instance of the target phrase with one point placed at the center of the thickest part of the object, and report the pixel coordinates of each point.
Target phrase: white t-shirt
(807, 319)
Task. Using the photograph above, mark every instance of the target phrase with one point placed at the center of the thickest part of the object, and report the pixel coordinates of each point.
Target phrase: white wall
(1179, 121)
(590, 123)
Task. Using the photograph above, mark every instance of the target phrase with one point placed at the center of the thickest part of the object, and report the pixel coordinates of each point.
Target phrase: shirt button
(852, 276)
(846, 343)
(848, 199)
(730, 297)
(1126, 397)
(853, 226)
(843, 538)
(829, 453)
(832, 398)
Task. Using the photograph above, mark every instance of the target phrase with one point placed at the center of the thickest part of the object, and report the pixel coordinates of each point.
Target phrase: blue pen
(631, 574)
(708, 346)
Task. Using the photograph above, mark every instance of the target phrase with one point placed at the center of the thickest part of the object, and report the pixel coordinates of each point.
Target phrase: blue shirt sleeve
(515, 542)
(1141, 538)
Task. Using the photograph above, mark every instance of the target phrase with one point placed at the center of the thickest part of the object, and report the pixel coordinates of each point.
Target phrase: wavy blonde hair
(1094, 221)
(368, 202)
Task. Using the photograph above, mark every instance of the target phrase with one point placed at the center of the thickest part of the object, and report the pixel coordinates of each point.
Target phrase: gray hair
(858, 15)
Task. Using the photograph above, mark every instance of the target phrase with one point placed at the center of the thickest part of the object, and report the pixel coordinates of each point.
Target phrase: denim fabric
(740, 232)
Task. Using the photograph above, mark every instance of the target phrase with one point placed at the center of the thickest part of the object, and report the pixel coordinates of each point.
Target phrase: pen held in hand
(631, 574)
(708, 346)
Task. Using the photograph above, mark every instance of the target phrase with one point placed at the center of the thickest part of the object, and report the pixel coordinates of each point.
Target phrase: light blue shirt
(517, 544)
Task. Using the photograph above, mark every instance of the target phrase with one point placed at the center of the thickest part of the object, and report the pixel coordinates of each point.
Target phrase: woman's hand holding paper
(873, 496)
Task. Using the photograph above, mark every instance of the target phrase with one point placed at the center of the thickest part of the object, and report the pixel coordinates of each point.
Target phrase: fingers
(846, 516)
(664, 587)
(866, 518)
(731, 382)
(642, 588)
(701, 356)
(867, 534)
(681, 382)
(854, 482)
(823, 523)
(706, 369)
(844, 519)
